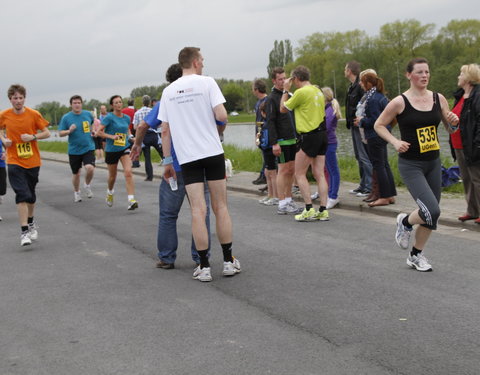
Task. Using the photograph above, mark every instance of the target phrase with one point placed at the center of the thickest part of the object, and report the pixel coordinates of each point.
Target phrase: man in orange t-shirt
(20, 127)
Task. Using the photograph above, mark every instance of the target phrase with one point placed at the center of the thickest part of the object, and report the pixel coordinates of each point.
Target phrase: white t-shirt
(187, 105)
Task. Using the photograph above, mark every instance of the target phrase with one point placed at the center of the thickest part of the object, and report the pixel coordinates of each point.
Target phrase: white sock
(131, 197)
(110, 191)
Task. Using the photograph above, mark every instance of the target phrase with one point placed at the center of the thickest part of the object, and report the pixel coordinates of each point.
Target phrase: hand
(7, 142)
(401, 146)
(452, 118)
(276, 149)
(115, 137)
(72, 128)
(27, 137)
(168, 172)
(356, 122)
(135, 152)
(287, 84)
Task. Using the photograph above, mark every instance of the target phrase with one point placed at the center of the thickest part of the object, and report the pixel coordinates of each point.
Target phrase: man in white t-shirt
(192, 106)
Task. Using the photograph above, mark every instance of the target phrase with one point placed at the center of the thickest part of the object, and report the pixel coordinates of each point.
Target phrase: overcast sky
(97, 48)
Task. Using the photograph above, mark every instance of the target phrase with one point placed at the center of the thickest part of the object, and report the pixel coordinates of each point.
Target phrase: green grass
(251, 161)
(242, 117)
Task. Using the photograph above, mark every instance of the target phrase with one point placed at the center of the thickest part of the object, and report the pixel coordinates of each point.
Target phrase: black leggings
(3, 181)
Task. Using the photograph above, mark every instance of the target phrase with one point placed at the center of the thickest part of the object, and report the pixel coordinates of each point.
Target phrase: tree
(280, 55)
(52, 111)
(233, 94)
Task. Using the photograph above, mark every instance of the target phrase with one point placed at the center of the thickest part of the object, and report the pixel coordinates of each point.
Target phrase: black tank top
(419, 128)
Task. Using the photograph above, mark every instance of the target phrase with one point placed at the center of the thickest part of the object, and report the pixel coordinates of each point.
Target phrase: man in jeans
(354, 94)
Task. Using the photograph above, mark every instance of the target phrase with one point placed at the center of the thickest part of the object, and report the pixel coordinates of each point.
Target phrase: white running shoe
(77, 196)
(402, 235)
(314, 196)
(132, 204)
(88, 191)
(290, 208)
(202, 274)
(263, 200)
(109, 199)
(271, 202)
(25, 239)
(419, 262)
(332, 203)
(32, 231)
(231, 268)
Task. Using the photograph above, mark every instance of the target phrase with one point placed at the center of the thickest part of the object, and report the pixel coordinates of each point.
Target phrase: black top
(280, 125)
(419, 128)
(354, 94)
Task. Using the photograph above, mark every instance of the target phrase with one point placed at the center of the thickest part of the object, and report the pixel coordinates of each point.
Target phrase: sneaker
(355, 191)
(231, 268)
(165, 266)
(260, 180)
(314, 196)
(271, 202)
(109, 200)
(25, 239)
(32, 231)
(310, 215)
(419, 262)
(202, 274)
(295, 189)
(1, 218)
(88, 191)
(323, 216)
(77, 197)
(363, 193)
(289, 208)
(332, 203)
(263, 200)
(402, 236)
(132, 204)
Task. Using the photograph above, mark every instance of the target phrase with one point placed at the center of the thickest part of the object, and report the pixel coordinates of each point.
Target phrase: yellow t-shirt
(24, 154)
(308, 104)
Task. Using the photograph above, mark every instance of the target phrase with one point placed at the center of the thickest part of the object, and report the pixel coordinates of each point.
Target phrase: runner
(418, 112)
(77, 124)
(20, 128)
(114, 128)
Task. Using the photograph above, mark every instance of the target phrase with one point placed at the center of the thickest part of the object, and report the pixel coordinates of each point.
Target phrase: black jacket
(470, 125)
(354, 94)
(279, 125)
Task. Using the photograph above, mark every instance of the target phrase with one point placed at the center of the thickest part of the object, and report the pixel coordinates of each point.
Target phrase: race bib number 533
(427, 139)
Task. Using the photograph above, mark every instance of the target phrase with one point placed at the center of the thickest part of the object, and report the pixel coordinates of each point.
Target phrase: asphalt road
(313, 298)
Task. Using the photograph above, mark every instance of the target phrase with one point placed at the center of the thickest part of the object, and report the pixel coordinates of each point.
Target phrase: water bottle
(173, 184)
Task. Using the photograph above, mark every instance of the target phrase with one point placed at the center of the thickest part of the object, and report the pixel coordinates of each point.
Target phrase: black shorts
(210, 169)
(76, 161)
(269, 159)
(314, 144)
(23, 182)
(3, 180)
(288, 153)
(114, 157)
(98, 143)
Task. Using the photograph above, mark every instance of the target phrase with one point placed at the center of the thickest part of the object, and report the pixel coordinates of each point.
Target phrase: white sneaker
(88, 191)
(231, 268)
(77, 196)
(1, 218)
(109, 200)
(290, 208)
(314, 196)
(132, 204)
(271, 202)
(32, 231)
(263, 200)
(202, 274)
(332, 203)
(419, 262)
(402, 235)
(25, 239)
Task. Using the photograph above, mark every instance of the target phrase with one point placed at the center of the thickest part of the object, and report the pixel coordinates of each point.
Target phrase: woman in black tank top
(418, 112)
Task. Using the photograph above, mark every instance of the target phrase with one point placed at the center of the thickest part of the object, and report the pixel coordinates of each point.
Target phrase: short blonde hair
(472, 73)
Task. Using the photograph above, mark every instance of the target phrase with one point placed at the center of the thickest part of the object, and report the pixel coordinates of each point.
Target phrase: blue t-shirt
(80, 141)
(2, 162)
(151, 119)
(116, 125)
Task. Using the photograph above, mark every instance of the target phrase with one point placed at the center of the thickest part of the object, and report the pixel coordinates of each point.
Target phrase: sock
(87, 186)
(308, 206)
(322, 208)
(110, 191)
(203, 254)
(405, 222)
(131, 197)
(227, 252)
(24, 228)
(415, 251)
(30, 220)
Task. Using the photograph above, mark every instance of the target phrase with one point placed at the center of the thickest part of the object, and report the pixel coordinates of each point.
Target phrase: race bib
(86, 127)
(24, 150)
(427, 139)
(120, 141)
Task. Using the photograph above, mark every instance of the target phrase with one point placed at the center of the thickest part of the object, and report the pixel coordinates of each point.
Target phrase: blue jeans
(333, 171)
(364, 164)
(170, 204)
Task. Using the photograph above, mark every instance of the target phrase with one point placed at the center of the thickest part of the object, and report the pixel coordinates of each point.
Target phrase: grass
(242, 117)
(251, 161)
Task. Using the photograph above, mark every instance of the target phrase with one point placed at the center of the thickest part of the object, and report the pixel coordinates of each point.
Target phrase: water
(243, 135)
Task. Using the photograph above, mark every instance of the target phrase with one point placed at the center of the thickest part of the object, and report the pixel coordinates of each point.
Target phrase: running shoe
(202, 274)
(231, 268)
(332, 203)
(310, 215)
(32, 231)
(1, 218)
(25, 239)
(88, 191)
(314, 196)
(323, 216)
(402, 236)
(77, 197)
(355, 191)
(419, 262)
(132, 204)
(271, 202)
(109, 200)
(363, 193)
(263, 200)
(289, 208)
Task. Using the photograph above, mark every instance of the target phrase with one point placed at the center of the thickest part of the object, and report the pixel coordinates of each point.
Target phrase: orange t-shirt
(24, 154)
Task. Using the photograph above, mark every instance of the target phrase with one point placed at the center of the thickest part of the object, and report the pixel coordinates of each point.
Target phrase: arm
(70, 130)
(139, 136)
(286, 88)
(101, 133)
(43, 134)
(449, 119)
(167, 152)
(220, 113)
(391, 111)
